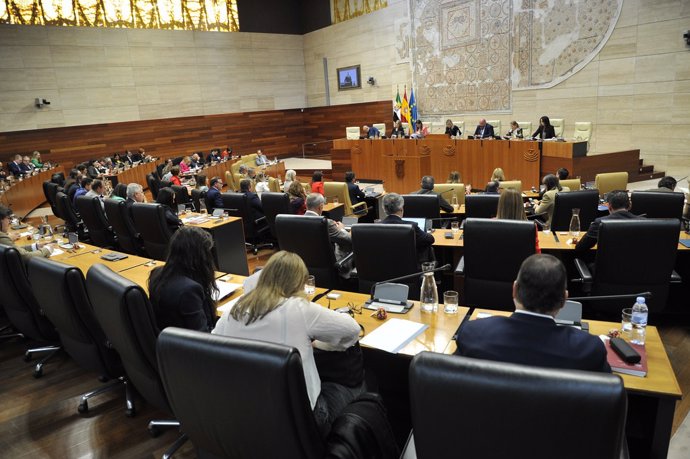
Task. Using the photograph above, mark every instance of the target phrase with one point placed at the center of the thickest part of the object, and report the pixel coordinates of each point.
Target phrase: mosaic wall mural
(468, 55)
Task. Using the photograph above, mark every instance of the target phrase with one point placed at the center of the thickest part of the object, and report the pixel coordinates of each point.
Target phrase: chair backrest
(494, 251)
(126, 316)
(657, 204)
(149, 220)
(120, 220)
(339, 190)
(58, 178)
(274, 204)
(583, 130)
(526, 128)
(154, 185)
(60, 290)
(93, 215)
(635, 256)
(18, 300)
(66, 212)
(50, 190)
(460, 125)
(238, 206)
(447, 190)
(573, 184)
(383, 252)
(406, 128)
(558, 126)
(454, 399)
(609, 181)
(497, 126)
(481, 205)
(263, 391)
(422, 206)
(198, 197)
(307, 236)
(274, 185)
(352, 132)
(381, 127)
(181, 194)
(585, 200)
(230, 181)
(511, 184)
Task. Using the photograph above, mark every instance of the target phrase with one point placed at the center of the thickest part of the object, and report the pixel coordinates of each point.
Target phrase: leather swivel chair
(564, 203)
(22, 309)
(447, 190)
(583, 131)
(307, 236)
(481, 205)
(339, 190)
(274, 204)
(263, 390)
(60, 290)
(154, 185)
(198, 197)
(610, 181)
(149, 220)
(120, 219)
(66, 212)
(352, 133)
(230, 181)
(381, 127)
(50, 190)
(494, 251)
(578, 413)
(632, 256)
(497, 126)
(92, 214)
(574, 184)
(384, 252)
(511, 184)
(255, 229)
(58, 178)
(124, 312)
(422, 206)
(657, 204)
(181, 195)
(558, 126)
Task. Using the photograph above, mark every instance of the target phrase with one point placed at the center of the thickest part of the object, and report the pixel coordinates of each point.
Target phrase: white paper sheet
(225, 289)
(393, 335)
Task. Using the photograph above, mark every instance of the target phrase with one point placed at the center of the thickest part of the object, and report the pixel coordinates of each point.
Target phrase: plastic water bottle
(639, 321)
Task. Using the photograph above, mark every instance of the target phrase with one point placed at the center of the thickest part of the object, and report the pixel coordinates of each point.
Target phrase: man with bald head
(484, 130)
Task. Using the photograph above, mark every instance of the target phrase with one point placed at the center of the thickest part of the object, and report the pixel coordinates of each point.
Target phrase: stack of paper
(393, 335)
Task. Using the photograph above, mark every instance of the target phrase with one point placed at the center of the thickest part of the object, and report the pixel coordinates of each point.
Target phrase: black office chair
(124, 312)
(210, 204)
(198, 197)
(564, 203)
(149, 220)
(463, 407)
(120, 219)
(255, 230)
(154, 185)
(50, 190)
(481, 205)
(274, 204)
(61, 292)
(181, 194)
(384, 252)
(632, 256)
(657, 204)
(423, 206)
(73, 222)
(494, 251)
(308, 237)
(58, 178)
(92, 214)
(263, 390)
(22, 309)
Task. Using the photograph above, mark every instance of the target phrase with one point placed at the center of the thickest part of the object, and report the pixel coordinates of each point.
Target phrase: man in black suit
(393, 205)
(252, 199)
(25, 166)
(530, 336)
(484, 130)
(356, 195)
(619, 209)
(428, 188)
(15, 166)
(213, 194)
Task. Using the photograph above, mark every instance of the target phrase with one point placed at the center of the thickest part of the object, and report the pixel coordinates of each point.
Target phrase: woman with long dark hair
(545, 130)
(182, 290)
(166, 197)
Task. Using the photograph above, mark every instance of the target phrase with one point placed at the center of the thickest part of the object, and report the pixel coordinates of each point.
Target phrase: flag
(413, 107)
(405, 110)
(396, 106)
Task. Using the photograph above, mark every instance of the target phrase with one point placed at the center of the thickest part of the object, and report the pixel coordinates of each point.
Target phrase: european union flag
(413, 107)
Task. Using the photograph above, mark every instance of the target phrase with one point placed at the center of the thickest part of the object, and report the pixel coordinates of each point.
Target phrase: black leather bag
(341, 367)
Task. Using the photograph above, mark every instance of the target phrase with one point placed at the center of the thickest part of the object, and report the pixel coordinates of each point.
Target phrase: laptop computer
(349, 221)
(423, 223)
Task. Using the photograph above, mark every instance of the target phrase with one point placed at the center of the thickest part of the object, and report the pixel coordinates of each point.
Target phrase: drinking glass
(546, 229)
(335, 200)
(310, 285)
(450, 302)
(455, 227)
(626, 324)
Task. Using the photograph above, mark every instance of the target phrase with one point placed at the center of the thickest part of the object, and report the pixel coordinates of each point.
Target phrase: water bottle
(575, 224)
(454, 201)
(639, 321)
(429, 294)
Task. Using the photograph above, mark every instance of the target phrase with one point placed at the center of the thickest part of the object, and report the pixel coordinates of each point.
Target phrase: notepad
(56, 252)
(225, 289)
(393, 335)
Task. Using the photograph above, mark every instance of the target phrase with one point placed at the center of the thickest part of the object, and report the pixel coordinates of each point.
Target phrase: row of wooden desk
(26, 195)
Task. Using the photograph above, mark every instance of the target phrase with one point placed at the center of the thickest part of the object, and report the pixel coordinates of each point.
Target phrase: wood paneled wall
(277, 132)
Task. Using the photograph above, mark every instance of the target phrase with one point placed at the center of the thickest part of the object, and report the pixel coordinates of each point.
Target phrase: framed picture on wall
(349, 78)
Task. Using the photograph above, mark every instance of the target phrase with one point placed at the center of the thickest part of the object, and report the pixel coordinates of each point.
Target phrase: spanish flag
(405, 110)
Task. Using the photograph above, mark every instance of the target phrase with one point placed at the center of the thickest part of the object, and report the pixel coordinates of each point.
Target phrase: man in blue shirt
(261, 159)
(484, 130)
(84, 188)
(371, 132)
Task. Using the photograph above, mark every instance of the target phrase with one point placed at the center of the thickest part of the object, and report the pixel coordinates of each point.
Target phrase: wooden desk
(334, 211)
(659, 388)
(229, 249)
(135, 174)
(25, 196)
(85, 260)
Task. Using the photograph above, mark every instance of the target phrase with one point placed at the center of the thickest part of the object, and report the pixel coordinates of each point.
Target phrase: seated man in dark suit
(252, 199)
(393, 205)
(25, 166)
(619, 209)
(428, 188)
(356, 195)
(261, 159)
(484, 130)
(213, 194)
(530, 336)
(666, 184)
(336, 230)
(15, 166)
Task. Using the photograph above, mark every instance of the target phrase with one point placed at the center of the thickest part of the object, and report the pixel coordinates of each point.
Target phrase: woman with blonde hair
(498, 175)
(277, 311)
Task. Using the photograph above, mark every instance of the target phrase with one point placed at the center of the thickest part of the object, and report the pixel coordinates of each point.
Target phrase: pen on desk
(555, 236)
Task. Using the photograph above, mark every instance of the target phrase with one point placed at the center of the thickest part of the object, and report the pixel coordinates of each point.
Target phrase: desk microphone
(445, 267)
(450, 189)
(646, 295)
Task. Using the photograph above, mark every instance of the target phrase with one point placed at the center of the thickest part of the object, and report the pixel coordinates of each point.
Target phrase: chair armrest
(359, 204)
(583, 271)
(259, 220)
(339, 264)
(675, 277)
(460, 268)
(538, 217)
